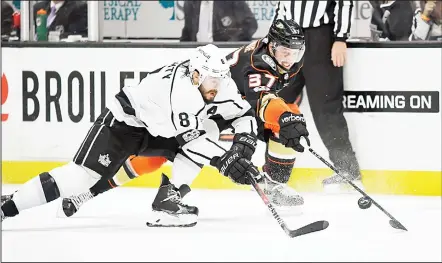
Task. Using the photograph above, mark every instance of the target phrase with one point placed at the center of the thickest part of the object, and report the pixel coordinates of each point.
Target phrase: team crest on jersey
(267, 59)
(104, 160)
(294, 30)
(280, 25)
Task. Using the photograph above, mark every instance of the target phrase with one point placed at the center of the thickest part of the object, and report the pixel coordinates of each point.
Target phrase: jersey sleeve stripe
(199, 154)
(215, 144)
(187, 156)
(226, 101)
(197, 122)
(198, 113)
(125, 103)
(171, 89)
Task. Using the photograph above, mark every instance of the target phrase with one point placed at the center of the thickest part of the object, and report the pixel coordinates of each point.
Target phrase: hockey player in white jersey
(166, 109)
(279, 155)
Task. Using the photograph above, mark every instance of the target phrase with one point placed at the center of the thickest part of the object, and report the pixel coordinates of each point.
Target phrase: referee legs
(324, 83)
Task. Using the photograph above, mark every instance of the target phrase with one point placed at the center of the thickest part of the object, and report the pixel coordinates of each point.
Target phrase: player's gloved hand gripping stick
(242, 171)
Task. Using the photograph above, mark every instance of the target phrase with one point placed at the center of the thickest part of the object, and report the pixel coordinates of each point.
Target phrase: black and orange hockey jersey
(259, 80)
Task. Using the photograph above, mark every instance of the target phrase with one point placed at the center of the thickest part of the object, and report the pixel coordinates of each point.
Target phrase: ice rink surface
(233, 226)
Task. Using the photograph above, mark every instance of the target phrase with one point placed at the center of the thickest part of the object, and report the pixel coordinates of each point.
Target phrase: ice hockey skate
(72, 204)
(4, 199)
(281, 195)
(347, 165)
(335, 184)
(168, 209)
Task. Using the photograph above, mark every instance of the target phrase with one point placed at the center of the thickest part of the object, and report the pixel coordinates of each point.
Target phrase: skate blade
(159, 225)
(296, 202)
(164, 219)
(342, 188)
(292, 209)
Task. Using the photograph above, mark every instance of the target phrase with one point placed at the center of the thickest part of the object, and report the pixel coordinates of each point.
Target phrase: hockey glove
(245, 144)
(292, 128)
(231, 164)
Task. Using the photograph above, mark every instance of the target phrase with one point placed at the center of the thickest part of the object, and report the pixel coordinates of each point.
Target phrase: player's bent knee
(279, 161)
(49, 186)
(278, 150)
(148, 165)
(73, 179)
(140, 165)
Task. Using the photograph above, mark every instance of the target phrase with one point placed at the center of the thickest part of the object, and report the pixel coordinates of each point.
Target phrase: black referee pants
(324, 84)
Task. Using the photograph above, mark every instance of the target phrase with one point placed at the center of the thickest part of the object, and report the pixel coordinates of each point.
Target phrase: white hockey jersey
(167, 104)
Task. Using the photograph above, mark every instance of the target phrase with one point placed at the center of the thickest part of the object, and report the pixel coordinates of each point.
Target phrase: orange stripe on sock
(110, 183)
(273, 161)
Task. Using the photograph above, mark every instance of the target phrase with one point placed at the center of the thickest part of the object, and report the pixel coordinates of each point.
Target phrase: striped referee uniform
(317, 13)
(324, 23)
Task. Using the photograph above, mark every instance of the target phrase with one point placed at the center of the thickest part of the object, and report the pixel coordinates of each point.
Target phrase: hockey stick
(310, 228)
(393, 222)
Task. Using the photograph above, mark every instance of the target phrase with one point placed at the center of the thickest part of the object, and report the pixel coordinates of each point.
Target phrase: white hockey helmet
(208, 62)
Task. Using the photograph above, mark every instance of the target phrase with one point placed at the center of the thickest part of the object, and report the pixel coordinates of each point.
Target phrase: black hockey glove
(291, 128)
(245, 144)
(234, 166)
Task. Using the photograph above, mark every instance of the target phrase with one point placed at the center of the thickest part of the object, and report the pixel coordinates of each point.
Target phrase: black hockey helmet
(286, 33)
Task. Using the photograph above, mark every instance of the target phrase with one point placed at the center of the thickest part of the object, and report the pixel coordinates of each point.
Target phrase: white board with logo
(393, 114)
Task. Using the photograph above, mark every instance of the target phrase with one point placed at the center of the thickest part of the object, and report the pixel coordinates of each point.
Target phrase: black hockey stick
(310, 228)
(393, 222)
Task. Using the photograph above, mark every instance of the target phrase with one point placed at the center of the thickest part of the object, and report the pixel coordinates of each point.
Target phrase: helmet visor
(211, 84)
(286, 57)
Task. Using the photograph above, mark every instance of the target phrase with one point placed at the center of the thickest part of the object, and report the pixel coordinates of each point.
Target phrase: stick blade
(396, 224)
(170, 226)
(310, 228)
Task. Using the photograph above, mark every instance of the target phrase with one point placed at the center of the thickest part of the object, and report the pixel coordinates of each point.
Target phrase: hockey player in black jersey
(264, 72)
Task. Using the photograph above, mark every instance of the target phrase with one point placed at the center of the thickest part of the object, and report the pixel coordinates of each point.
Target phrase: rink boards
(50, 97)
